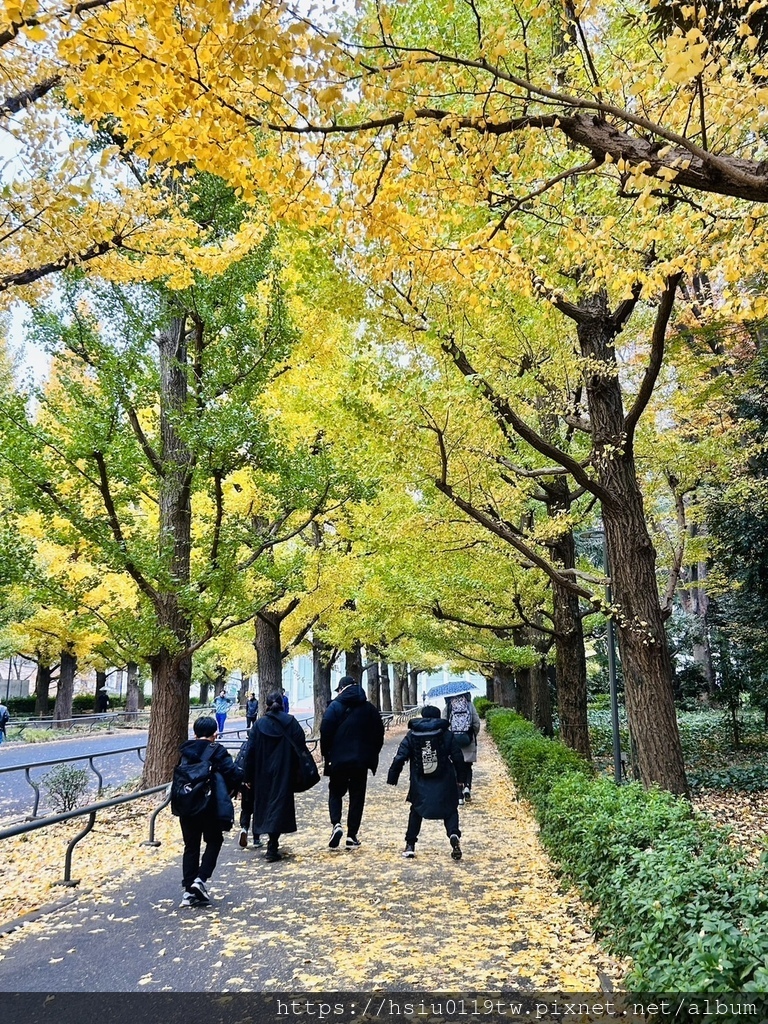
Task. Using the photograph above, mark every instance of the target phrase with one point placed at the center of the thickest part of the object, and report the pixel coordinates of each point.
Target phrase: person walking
(221, 706)
(206, 824)
(464, 723)
(351, 738)
(286, 703)
(102, 700)
(435, 761)
(274, 744)
(251, 710)
(5, 717)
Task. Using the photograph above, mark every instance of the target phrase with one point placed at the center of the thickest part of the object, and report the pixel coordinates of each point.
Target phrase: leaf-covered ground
(746, 814)
(359, 920)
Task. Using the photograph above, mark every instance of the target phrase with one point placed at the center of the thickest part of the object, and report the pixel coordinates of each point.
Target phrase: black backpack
(191, 785)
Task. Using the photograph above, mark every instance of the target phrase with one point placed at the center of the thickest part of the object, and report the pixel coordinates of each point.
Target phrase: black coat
(269, 759)
(220, 806)
(251, 708)
(432, 794)
(102, 700)
(351, 732)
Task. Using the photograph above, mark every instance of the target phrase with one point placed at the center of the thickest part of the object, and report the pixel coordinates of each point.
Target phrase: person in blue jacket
(221, 706)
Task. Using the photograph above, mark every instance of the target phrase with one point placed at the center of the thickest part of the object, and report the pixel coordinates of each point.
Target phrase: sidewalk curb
(47, 908)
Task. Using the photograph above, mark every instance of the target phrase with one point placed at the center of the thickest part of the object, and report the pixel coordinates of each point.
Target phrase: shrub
(483, 705)
(66, 786)
(668, 889)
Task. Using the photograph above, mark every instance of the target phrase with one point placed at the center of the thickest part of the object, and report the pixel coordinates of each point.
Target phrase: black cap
(346, 681)
(430, 711)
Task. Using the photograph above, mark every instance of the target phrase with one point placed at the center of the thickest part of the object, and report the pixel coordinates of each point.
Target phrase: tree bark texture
(385, 687)
(504, 687)
(62, 711)
(132, 690)
(171, 669)
(643, 646)
(169, 719)
(321, 681)
(399, 686)
(42, 689)
(413, 686)
(269, 656)
(101, 679)
(353, 662)
(373, 682)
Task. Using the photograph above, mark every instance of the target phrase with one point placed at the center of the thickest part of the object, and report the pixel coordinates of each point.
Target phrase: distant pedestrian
(205, 808)
(464, 723)
(5, 717)
(251, 709)
(274, 744)
(102, 700)
(436, 760)
(221, 706)
(351, 738)
(246, 805)
(286, 705)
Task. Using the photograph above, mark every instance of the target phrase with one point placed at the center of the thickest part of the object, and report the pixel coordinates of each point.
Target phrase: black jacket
(251, 708)
(435, 758)
(223, 765)
(351, 732)
(269, 760)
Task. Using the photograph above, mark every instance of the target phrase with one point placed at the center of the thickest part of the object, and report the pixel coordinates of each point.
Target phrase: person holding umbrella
(464, 723)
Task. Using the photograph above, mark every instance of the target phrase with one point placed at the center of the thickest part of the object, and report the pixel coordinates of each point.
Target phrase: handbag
(464, 739)
(304, 774)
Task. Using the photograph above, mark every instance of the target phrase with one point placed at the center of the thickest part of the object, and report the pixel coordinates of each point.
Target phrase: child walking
(435, 761)
(204, 777)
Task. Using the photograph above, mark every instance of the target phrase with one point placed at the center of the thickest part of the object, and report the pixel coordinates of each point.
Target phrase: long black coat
(435, 794)
(351, 732)
(269, 759)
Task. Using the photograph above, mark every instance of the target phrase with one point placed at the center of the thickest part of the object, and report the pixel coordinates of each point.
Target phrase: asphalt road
(17, 796)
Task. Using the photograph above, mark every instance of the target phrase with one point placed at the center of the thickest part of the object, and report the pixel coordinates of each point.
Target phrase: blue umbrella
(451, 689)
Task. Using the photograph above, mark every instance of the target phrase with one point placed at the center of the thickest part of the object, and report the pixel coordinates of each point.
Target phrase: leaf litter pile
(358, 920)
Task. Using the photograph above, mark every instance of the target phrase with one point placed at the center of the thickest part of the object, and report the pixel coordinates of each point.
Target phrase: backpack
(191, 785)
(430, 754)
(4, 718)
(460, 720)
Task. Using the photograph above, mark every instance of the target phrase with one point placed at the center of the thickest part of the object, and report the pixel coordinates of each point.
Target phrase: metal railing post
(67, 879)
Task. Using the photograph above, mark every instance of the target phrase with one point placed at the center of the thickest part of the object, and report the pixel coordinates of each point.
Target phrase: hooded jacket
(269, 761)
(435, 758)
(224, 768)
(351, 732)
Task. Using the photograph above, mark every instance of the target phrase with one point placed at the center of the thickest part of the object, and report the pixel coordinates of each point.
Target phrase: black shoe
(258, 842)
(353, 843)
(272, 855)
(455, 848)
(409, 851)
(336, 835)
(200, 889)
(467, 794)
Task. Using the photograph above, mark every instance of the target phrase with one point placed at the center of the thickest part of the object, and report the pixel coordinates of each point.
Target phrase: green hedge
(669, 891)
(483, 705)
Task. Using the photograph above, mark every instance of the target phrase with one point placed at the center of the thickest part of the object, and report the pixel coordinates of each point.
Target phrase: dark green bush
(483, 705)
(23, 707)
(668, 889)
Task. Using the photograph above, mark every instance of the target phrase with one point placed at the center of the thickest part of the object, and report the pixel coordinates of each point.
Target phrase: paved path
(332, 919)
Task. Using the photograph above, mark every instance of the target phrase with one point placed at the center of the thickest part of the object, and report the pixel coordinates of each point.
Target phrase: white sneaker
(200, 889)
(243, 838)
(189, 899)
(336, 835)
(467, 794)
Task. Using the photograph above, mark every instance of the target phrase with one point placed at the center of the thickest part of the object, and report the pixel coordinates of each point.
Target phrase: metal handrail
(63, 760)
(91, 810)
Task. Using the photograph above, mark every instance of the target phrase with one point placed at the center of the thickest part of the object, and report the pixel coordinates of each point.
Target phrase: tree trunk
(385, 687)
(571, 661)
(643, 646)
(400, 695)
(132, 691)
(172, 670)
(505, 692)
(42, 689)
(269, 656)
(204, 684)
(542, 705)
(62, 711)
(413, 686)
(101, 680)
(373, 682)
(245, 688)
(169, 721)
(353, 662)
(321, 681)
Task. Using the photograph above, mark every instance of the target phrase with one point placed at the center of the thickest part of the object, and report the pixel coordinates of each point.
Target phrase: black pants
(451, 822)
(194, 830)
(354, 779)
(246, 811)
(249, 721)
